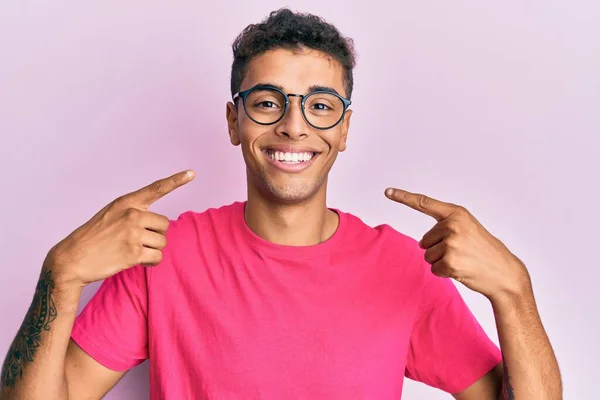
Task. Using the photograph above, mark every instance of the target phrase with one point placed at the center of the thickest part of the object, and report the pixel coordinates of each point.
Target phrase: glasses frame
(244, 94)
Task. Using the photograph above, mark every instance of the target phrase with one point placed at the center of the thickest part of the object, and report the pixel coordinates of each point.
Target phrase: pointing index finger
(420, 202)
(157, 189)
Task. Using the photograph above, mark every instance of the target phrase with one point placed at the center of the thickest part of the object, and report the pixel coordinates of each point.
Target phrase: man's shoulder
(191, 224)
(393, 254)
(380, 231)
(210, 215)
(381, 235)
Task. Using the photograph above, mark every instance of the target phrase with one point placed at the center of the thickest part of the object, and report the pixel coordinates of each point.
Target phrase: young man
(280, 297)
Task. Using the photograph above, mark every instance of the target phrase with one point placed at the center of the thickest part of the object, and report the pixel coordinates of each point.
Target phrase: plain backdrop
(492, 106)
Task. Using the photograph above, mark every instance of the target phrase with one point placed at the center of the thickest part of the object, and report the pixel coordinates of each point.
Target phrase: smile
(289, 157)
(290, 161)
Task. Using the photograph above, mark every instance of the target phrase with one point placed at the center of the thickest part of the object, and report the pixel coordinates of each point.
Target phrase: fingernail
(389, 191)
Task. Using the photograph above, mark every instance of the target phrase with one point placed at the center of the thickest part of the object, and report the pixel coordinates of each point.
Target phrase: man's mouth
(290, 157)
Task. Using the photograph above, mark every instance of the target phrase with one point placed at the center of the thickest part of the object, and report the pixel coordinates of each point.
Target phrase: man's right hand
(121, 235)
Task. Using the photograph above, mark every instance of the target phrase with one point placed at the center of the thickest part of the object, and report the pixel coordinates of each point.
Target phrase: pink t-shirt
(228, 315)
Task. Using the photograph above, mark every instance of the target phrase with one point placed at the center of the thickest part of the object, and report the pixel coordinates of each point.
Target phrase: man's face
(301, 176)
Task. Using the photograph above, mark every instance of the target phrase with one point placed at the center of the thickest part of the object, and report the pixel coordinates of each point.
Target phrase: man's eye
(320, 107)
(267, 104)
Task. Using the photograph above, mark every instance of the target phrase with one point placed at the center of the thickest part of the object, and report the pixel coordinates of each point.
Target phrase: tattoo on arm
(508, 393)
(41, 313)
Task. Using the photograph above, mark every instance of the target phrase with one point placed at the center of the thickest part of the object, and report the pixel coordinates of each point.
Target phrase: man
(280, 297)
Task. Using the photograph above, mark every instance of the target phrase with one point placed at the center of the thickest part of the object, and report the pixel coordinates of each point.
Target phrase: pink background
(496, 107)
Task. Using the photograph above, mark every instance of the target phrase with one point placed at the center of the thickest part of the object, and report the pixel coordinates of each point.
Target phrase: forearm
(530, 368)
(35, 363)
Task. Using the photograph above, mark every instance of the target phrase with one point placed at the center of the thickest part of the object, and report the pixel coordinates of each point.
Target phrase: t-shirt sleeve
(449, 349)
(112, 328)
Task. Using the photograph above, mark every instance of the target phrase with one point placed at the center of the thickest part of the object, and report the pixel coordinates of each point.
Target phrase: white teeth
(290, 157)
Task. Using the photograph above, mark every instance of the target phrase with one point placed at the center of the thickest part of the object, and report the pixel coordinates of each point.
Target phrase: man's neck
(303, 224)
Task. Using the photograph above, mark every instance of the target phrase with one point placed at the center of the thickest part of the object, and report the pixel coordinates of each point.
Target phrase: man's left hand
(459, 247)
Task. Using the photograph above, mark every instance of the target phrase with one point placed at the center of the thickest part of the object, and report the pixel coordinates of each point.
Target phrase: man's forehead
(295, 71)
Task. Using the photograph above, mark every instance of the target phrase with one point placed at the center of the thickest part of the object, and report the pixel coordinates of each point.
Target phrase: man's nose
(293, 125)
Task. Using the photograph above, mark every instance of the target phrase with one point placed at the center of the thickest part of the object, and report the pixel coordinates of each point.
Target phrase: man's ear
(232, 123)
(345, 127)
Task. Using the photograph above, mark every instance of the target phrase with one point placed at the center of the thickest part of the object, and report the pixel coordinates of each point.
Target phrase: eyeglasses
(266, 105)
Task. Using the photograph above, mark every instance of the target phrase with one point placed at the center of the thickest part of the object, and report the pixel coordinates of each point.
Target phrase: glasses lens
(323, 110)
(265, 106)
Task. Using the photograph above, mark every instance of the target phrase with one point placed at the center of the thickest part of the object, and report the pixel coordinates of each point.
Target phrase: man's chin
(289, 190)
(290, 197)
(291, 194)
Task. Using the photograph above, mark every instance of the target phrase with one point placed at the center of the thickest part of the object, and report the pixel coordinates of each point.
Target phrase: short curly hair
(291, 30)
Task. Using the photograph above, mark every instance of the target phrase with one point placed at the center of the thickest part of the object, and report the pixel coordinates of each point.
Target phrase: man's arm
(486, 388)
(459, 247)
(87, 378)
(40, 362)
(530, 366)
(530, 369)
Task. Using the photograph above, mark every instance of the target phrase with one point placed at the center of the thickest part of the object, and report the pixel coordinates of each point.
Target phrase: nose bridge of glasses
(295, 111)
(300, 97)
(290, 101)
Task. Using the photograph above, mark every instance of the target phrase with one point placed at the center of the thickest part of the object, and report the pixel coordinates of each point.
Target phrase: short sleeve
(112, 328)
(449, 349)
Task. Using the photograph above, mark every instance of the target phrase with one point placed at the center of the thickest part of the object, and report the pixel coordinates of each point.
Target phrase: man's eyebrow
(313, 88)
(269, 85)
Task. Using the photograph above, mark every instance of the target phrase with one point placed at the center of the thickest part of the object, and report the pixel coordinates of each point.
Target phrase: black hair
(291, 30)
